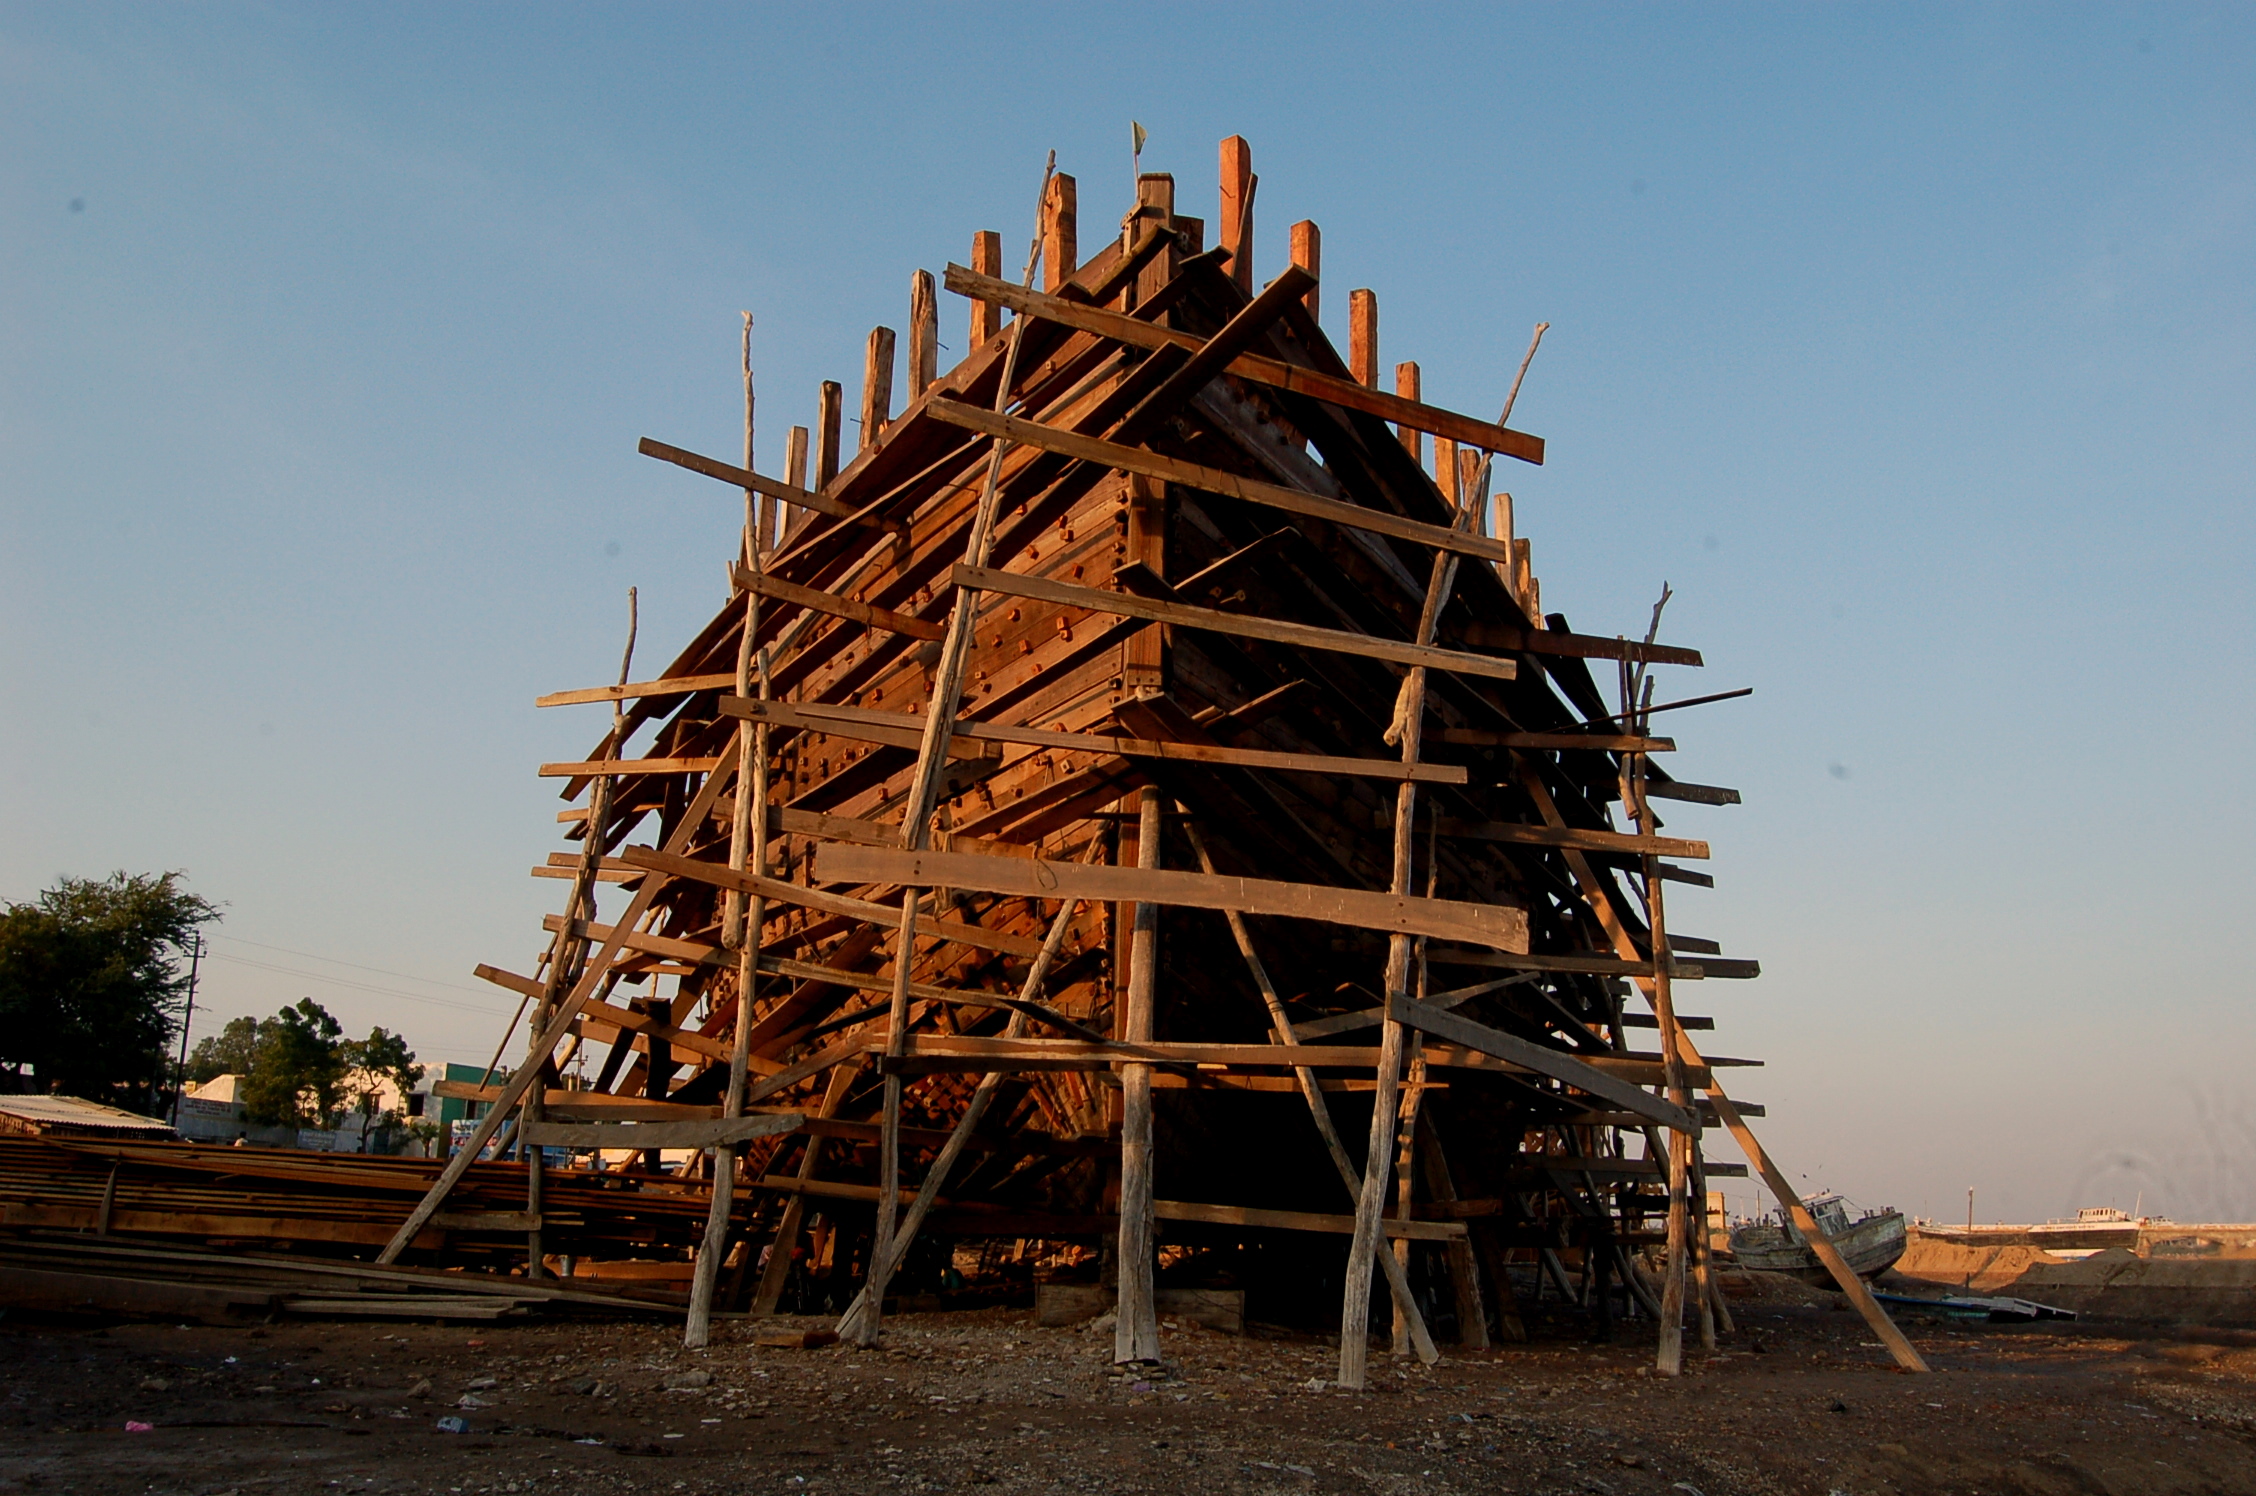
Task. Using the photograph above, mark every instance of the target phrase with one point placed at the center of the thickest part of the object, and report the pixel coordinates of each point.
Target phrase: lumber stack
(1136, 799)
(334, 1203)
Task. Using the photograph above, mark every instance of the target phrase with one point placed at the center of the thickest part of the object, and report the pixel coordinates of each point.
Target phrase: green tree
(227, 1052)
(92, 978)
(297, 1069)
(382, 1055)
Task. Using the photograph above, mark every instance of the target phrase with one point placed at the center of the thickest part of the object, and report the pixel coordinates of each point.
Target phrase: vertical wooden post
(1408, 730)
(1308, 254)
(1445, 470)
(1135, 1335)
(1155, 199)
(1409, 383)
(987, 260)
(877, 385)
(828, 405)
(924, 334)
(1061, 238)
(1406, 1135)
(794, 473)
(1233, 224)
(1363, 337)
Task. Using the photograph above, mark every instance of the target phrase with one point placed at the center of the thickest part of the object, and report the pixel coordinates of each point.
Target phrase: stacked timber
(1137, 801)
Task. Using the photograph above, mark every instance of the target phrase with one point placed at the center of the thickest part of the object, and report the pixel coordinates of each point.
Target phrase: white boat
(1870, 1244)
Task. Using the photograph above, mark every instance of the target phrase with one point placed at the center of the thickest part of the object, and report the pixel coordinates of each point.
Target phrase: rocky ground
(1800, 1401)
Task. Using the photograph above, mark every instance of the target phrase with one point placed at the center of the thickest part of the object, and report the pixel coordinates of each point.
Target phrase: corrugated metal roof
(75, 1111)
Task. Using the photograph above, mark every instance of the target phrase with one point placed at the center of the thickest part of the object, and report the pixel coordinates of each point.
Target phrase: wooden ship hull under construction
(1136, 809)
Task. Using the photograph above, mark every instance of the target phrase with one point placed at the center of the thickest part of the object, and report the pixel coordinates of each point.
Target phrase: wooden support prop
(924, 333)
(867, 614)
(1135, 1335)
(1496, 926)
(1260, 369)
(719, 1132)
(1308, 254)
(730, 473)
(877, 386)
(1240, 625)
(1363, 340)
(885, 727)
(1540, 1058)
(1147, 464)
(986, 260)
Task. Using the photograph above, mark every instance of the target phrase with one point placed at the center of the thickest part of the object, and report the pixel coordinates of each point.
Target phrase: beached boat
(1871, 1244)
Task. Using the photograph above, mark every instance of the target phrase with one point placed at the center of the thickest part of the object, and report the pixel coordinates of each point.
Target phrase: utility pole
(180, 1067)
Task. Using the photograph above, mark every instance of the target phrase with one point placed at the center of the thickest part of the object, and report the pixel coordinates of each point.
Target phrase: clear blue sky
(1913, 346)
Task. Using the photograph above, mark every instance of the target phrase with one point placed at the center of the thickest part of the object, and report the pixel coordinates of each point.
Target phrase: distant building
(75, 1117)
(213, 1113)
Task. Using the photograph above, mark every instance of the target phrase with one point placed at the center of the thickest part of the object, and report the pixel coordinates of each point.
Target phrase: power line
(347, 982)
(356, 966)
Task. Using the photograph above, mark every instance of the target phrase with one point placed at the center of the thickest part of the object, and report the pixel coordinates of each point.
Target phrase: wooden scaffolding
(1140, 791)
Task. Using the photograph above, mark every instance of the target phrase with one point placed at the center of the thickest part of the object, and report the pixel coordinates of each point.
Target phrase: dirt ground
(1800, 1401)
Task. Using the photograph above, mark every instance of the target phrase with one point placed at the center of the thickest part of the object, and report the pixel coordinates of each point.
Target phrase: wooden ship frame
(1139, 793)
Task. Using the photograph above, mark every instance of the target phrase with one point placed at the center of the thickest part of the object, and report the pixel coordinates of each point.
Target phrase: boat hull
(1870, 1246)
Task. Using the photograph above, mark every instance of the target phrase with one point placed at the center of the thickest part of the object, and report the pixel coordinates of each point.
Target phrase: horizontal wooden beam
(869, 615)
(1240, 625)
(1610, 742)
(891, 729)
(829, 903)
(1560, 1066)
(1580, 646)
(1599, 966)
(680, 685)
(730, 473)
(1330, 388)
(1517, 833)
(1496, 926)
(1300, 1220)
(701, 1134)
(856, 721)
(1697, 794)
(624, 766)
(1166, 469)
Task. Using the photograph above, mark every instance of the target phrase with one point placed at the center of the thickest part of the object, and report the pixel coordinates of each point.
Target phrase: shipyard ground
(1801, 1402)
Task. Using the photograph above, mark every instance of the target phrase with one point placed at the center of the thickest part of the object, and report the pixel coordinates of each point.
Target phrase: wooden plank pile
(336, 1203)
(1138, 797)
